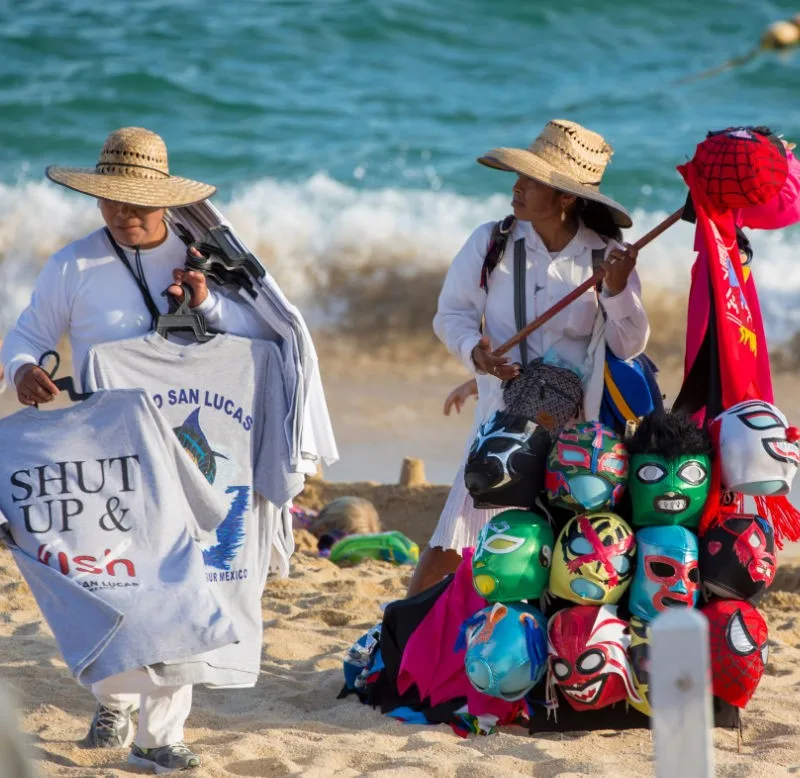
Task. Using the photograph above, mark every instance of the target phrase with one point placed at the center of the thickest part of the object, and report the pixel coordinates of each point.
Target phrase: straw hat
(132, 169)
(567, 157)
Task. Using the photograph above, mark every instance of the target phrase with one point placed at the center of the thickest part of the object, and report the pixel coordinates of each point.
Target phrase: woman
(562, 218)
(108, 286)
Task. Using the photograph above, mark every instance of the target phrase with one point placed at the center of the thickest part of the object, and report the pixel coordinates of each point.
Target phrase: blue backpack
(630, 391)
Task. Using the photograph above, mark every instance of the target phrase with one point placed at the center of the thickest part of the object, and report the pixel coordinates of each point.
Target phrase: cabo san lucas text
(209, 399)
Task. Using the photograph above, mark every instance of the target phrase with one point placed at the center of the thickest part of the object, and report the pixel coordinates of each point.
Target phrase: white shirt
(84, 290)
(576, 334)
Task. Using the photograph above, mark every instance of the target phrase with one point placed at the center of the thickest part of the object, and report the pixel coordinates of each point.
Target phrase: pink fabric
(430, 661)
(782, 210)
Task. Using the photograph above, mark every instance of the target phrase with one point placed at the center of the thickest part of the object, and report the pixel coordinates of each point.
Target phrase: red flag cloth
(732, 170)
(739, 176)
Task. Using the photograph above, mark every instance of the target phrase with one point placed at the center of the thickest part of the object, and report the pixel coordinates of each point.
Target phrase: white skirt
(460, 522)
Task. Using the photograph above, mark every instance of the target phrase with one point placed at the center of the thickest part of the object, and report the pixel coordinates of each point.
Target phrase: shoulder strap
(520, 314)
(140, 280)
(598, 257)
(497, 245)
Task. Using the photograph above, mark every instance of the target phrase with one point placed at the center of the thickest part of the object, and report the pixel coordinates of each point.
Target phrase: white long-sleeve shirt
(576, 335)
(85, 291)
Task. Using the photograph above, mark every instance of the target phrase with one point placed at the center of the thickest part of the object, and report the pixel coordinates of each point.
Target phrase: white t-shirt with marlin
(226, 402)
(102, 492)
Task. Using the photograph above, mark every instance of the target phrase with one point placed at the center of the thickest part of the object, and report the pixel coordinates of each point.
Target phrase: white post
(680, 695)
(15, 760)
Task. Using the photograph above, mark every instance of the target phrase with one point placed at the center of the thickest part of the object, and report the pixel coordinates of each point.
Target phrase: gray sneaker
(110, 728)
(166, 759)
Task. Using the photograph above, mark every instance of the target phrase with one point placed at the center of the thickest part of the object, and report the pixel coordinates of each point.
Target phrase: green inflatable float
(390, 546)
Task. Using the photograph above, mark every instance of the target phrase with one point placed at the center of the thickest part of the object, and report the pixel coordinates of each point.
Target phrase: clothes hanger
(184, 319)
(66, 383)
(223, 258)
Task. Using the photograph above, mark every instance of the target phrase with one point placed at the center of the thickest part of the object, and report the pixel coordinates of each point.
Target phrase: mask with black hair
(670, 471)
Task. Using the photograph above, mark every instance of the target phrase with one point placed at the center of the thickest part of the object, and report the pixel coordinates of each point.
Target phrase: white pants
(163, 710)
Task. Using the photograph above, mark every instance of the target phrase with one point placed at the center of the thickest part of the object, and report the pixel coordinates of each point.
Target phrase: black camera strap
(138, 277)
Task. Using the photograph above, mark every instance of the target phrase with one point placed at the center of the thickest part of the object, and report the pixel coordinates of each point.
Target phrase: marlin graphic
(196, 445)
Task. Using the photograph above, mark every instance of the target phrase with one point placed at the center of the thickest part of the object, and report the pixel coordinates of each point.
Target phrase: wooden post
(680, 695)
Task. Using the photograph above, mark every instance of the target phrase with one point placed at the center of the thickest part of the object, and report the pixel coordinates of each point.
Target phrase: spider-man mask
(593, 559)
(667, 574)
(741, 166)
(758, 449)
(505, 465)
(588, 649)
(587, 468)
(737, 557)
(739, 651)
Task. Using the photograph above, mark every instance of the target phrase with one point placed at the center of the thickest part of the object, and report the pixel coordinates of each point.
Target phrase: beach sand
(292, 723)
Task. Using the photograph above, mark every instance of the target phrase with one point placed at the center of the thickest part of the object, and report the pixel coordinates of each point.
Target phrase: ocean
(343, 134)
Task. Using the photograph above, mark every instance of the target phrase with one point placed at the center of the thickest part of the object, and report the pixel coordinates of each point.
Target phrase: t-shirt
(102, 492)
(225, 399)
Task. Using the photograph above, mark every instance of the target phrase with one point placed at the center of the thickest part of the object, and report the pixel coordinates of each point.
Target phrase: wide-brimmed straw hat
(133, 169)
(567, 157)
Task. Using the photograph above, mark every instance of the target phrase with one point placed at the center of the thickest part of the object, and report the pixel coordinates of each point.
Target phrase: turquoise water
(343, 134)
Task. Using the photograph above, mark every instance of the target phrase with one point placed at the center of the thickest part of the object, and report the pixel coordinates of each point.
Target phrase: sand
(292, 723)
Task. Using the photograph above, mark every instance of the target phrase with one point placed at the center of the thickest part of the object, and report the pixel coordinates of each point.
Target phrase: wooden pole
(588, 284)
(680, 697)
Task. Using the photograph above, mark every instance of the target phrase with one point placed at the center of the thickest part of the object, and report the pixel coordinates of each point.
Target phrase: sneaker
(110, 728)
(166, 759)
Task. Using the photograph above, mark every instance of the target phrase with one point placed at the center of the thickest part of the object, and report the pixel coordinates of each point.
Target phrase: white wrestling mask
(758, 449)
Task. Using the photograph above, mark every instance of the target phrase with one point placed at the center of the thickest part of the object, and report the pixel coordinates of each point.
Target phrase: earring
(563, 216)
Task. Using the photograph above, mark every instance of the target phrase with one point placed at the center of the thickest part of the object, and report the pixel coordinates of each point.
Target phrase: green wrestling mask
(670, 471)
(512, 558)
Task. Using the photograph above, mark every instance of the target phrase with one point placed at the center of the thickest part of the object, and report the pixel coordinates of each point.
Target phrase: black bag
(546, 394)
(549, 395)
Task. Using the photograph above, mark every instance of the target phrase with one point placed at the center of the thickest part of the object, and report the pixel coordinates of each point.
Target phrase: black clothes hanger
(184, 319)
(224, 259)
(66, 383)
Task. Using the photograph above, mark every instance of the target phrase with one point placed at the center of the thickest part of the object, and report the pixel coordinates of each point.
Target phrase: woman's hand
(34, 386)
(196, 281)
(619, 265)
(460, 395)
(496, 366)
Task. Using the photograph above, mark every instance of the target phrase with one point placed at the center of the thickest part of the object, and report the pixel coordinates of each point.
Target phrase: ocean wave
(363, 258)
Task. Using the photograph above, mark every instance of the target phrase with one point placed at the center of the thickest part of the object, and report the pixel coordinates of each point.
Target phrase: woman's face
(534, 201)
(134, 225)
